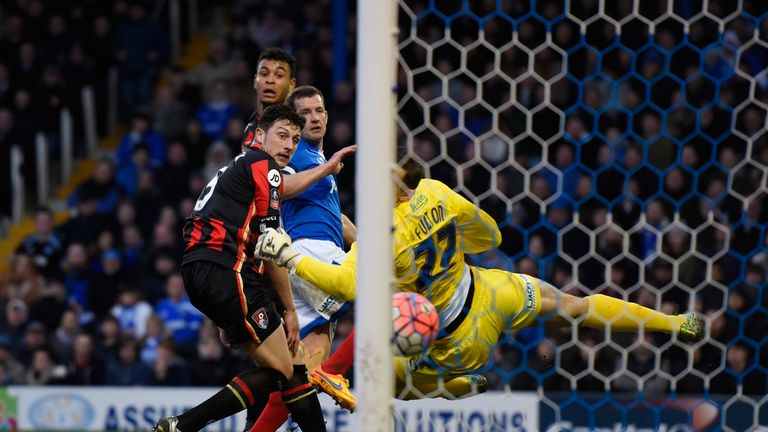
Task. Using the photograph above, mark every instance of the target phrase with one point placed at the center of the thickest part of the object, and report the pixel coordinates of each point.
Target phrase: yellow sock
(620, 315)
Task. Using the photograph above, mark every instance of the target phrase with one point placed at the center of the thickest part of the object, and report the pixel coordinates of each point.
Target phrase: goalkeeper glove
(275, 245)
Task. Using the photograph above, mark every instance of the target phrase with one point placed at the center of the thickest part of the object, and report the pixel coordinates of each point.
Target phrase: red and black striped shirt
(236, 206)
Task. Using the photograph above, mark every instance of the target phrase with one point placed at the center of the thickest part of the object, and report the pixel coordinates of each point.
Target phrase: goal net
(621, 146)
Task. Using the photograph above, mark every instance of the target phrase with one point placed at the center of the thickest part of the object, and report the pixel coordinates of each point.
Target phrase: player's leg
(601, 311)
(315, 349)
(413, 383)
(341, 360)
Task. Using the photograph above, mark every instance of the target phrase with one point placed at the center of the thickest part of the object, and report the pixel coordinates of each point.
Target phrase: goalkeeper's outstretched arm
(337, 280)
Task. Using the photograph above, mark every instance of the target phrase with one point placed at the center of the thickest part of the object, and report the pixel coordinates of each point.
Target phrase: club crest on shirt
(261, 318)
(274, 178)
(274, 199)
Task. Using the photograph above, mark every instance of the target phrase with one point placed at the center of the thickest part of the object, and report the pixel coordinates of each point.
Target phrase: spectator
(213, 366)
(153, 338)
(101, 187)
(641, 363)
(179, 316)
(216, 68)
(128, 175)
(141, 47)
(168, 369)
(77, 275)
(132, 313)
(217, 111)
(43, 245)
(11, 371)
(15, 326)
(86, 366)
(102, 293)
(167, 113)
(141, 133)
(49, 308)
(126, 369)
(175, 176)
(109, 337)
(44, 370)
(35, 338)
(24, 281)
(63, 338)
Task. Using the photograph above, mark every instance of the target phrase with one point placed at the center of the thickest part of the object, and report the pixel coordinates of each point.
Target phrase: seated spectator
(213, 366)
(218, 156)
(641, 362)
(169, 369)
(739, 374)
(15, 326)
(86, 366)
(85, 225)
(215, 113)
(24, 280)
(175, 176)
(102, 187)
(77, 274)
(168, 114)
(126, 369)
(133, 247)
(108, 343)
(154, 337)
(161, 264)
(132, 313)
(63, 337)
(35, 338)
(196, 142)
(217, 67)
(102, 293)
(43, 245)
(181, 318)
(44, 370)
(141, 133)
(128, 174)
(11, 371)
(49, 308)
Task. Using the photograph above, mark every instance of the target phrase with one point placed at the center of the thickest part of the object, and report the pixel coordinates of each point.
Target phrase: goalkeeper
(434, 228)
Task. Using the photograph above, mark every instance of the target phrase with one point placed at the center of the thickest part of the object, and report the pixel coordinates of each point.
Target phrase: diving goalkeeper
(434, 227)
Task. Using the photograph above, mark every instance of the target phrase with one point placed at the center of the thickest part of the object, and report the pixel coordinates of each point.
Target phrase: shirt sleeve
(477, 228)
(337, 280)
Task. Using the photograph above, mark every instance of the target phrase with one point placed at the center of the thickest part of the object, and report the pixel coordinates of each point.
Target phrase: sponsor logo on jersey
(274, 199)
(261, 318)
(417, 202)
(274, 177)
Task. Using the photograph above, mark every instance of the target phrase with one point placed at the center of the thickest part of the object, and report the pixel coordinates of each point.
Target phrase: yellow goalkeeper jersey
(432, 232)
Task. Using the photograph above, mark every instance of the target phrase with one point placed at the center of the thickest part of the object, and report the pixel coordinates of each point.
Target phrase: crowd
(644, 160)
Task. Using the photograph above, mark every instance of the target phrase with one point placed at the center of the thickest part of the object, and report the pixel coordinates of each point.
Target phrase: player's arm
(279, 277)
(297, 182)
(478, 230)
(337, 280)
(348, 230)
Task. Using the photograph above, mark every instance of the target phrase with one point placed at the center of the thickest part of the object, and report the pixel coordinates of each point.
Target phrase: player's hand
(292, 330)
(275, 245)
(335, 162)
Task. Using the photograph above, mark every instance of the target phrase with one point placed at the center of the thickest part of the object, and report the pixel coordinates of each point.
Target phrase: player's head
(279, 131)
(407, 177)
(275, 76)
(309, 102)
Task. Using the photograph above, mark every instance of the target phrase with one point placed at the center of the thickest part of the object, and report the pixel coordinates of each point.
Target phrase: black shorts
(237, 302)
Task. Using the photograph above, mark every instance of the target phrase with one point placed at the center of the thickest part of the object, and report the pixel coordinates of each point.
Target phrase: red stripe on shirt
(218, 234)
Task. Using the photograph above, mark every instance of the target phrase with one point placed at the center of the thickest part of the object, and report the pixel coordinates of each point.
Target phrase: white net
(621, 147)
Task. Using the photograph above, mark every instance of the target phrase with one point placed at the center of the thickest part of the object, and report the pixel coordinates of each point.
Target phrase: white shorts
(313, 306)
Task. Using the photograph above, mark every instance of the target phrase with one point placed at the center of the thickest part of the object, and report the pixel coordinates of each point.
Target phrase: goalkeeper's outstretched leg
(600, 311)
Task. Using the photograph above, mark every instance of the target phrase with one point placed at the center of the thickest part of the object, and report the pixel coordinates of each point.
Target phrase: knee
(573, 306)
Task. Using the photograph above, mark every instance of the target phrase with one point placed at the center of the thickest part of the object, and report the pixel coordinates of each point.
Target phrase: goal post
(376, 63)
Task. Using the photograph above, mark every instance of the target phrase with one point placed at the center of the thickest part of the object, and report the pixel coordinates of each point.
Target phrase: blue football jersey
(316, 213)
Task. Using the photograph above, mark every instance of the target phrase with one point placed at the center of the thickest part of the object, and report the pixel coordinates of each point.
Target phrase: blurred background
(618, 160)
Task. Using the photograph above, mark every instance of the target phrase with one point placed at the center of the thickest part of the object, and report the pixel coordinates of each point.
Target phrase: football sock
(620, 315)
(243, 391)
(273, 416)
(341, 360)
(301, 400)
(254, 412)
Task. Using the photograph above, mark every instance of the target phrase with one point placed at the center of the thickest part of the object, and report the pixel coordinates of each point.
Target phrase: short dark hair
(414, 172)
(279, 54)
(277, 112)
(304, 91)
